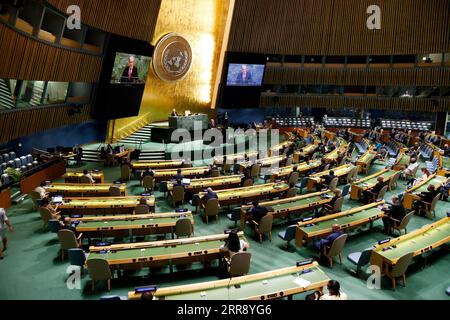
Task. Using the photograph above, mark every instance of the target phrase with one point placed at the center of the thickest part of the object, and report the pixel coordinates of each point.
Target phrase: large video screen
(129, 68)
(245, 75)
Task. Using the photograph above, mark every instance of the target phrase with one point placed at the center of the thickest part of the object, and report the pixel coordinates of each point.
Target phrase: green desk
(161, 253)
(290, 206)
(248, 194)
(103, 205)
(268, 285)
(410, 195)
(133, 225)
(322, 227)
(368, 183)
(419, 242)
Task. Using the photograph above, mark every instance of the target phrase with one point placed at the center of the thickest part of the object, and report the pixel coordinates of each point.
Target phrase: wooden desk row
(75, 177)
(143, 224)
(291, 206)
(266, 162)
(359, 186)
(347, 220)
(157, 164)
(235, 158)
(249, 194)
(275, 284)
(366, 160)
(410, 195)
(161, 253)
(80, 189)
(218, 183)
(418, 241)
(340, 172)
(284, 172)
(306, 151)
(103, 205)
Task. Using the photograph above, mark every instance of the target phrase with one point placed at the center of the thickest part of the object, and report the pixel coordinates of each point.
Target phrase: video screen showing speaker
(124, 75)
(242, 80)
(245, 75)
(130, 68)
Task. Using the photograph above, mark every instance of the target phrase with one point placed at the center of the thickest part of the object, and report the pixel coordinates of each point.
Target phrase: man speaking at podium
(130, 73)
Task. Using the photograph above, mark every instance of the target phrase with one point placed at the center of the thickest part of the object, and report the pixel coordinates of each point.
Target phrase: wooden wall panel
(338, 27)
(19, 123)
(25, 58)
(413, 105)
(362, 77)
(131, 18)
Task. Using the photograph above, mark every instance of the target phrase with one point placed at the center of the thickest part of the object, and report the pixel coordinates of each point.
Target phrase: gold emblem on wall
(172, 58)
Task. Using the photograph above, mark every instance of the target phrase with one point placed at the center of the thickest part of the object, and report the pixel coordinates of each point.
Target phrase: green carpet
(32, 268)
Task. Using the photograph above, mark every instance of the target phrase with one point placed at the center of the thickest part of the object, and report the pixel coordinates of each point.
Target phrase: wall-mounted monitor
(130, 68)
(245, 75)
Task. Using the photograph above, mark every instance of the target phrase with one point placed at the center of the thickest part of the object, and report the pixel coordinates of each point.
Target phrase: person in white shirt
(334, 292)
(5, 225)
(411, 169)
(88, 175)
(42, 190)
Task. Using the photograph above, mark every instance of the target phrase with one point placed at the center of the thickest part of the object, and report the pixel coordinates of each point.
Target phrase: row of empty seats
(347, 122)
(433, 165)
(406, 124)
(426, 152)
(392, 148)
(362, 146)
(294, 121)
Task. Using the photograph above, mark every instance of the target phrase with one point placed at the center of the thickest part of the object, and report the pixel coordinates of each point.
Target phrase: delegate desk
(275, 150)
(284, 172)
(359, 186)
(329, 135)
(157, 164)
(235, 158)
(402, 161)
(339, 172)
(169, 174)
(74, 177)
(333, 155)
(308, 150)
(444, 166)
(365, 161)
(130, 225)
(418, 241)
(84, 190)
(263, 163)
(350, 219)
(161, 253)
(103, 205)
(410, 195)
(217, 183)
(290, 206)
(249, 194)
(274, 284)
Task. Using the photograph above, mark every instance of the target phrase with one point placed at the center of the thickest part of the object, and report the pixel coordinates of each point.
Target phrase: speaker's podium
(189, 122)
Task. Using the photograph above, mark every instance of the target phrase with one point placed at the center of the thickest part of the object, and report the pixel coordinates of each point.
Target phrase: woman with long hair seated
(234, 245)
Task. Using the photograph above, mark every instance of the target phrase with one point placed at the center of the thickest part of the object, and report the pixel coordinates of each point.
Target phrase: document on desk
(301, 282)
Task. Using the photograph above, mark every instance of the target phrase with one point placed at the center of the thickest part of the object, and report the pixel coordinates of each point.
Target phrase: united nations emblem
(172, 58)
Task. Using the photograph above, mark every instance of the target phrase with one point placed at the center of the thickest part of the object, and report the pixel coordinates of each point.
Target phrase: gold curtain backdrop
(202, 23)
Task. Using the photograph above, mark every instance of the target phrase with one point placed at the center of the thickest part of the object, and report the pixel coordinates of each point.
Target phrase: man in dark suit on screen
(130, 73)
(244, 76)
